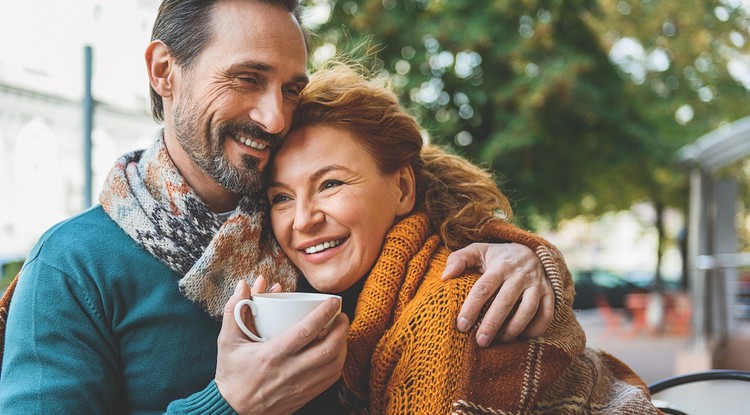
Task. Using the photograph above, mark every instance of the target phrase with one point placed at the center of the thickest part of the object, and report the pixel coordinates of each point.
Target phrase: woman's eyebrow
(315, 176)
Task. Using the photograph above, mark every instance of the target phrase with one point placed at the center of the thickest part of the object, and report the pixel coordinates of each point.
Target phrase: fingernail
(448, 269)
(463, 324)
(483, 340)
(238, 287)
(275, 287)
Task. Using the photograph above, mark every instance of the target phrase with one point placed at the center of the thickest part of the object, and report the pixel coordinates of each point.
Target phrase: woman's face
(331, 207)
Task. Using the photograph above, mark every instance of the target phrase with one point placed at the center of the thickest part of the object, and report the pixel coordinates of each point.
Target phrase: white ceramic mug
(273, 313)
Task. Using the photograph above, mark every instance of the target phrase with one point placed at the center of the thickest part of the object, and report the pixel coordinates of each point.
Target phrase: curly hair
(457, 196)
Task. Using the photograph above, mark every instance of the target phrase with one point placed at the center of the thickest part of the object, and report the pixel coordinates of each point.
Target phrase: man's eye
(328, 184)
(291, 93)
(249, 81)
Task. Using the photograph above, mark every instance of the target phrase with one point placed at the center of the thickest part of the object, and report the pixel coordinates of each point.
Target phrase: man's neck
(215, 196)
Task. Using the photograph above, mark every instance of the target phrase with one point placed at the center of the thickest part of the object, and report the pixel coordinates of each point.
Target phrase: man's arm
(59, 356)
(524, 271)
(514, 275)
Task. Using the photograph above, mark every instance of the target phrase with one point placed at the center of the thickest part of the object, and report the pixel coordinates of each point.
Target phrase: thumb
(456, 264)
(472, 256)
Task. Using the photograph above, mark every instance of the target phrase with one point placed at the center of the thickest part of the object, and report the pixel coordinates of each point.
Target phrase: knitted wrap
(406, 357)
(149, 199)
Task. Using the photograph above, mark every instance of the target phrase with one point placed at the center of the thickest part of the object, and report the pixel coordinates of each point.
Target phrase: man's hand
(282, 374)
(515, 273)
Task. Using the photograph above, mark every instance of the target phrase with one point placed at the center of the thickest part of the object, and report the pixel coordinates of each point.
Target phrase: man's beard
(209, 155)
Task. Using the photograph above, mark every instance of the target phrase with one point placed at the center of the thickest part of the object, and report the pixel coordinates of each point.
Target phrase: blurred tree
(522, 86)
(578, 105)
(689, 69)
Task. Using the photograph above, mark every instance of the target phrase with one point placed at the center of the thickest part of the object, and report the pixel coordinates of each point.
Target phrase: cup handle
(241, 322)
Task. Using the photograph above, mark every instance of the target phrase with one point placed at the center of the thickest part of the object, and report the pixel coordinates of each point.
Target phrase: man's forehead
(264, 36)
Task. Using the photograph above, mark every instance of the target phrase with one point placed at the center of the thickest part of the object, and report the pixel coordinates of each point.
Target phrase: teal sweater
(98, 326)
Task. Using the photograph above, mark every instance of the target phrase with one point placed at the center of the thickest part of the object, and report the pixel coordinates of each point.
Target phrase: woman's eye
(249, 81)
(328, 184)
(280, 198)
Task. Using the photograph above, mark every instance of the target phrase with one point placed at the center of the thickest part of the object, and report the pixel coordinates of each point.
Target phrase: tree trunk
(657, 285)
(655, 309)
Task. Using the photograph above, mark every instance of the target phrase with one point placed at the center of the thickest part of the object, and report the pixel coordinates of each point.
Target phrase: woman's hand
(515, 273)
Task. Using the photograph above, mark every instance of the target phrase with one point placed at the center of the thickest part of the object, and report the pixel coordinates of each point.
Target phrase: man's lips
(252, 143)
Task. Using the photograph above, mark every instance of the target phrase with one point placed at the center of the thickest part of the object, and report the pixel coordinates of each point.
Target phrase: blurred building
(719, 273)
(41, 159)
(41, 115)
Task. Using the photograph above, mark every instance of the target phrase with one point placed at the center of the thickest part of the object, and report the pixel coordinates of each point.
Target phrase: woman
(354, 199)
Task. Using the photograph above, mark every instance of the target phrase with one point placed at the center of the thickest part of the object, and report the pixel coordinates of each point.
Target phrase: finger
(463, 259)
(322, 361)
(520, 319)
(229, 327)
(480, 293)
(337, 332)
(495, 317)
(334, 345)
(302, 333)
(259, 285)
(276, 288)
(544, 316)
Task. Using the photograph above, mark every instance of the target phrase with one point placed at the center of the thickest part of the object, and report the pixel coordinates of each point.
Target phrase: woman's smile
(331, 206)
(324, 246)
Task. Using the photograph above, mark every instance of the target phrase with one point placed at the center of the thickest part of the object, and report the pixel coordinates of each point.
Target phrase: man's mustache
(251, 131)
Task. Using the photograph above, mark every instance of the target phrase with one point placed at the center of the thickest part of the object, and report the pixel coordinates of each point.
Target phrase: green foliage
(521, 86)
(9, 271)
(680, 84)
(529, 88)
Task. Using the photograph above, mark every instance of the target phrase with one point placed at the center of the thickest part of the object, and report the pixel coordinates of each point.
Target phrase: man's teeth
(322, 247)
(250, 143)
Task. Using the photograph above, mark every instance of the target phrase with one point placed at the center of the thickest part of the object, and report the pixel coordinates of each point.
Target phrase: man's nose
(269, 112)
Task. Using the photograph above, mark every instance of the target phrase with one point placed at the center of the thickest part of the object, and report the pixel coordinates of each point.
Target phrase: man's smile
(250, 142)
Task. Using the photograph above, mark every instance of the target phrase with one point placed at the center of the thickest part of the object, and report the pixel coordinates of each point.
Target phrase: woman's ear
(160, 68)
(407, 184)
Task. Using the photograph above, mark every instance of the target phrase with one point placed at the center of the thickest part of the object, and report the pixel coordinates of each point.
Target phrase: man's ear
(161, 68)
(408, 186)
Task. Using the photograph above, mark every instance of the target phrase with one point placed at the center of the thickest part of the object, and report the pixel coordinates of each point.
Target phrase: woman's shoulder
(443, 297)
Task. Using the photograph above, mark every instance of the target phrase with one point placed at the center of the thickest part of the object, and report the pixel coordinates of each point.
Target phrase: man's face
(236, 101)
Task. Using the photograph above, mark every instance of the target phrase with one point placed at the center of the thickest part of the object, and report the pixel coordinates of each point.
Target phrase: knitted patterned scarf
(149, 199)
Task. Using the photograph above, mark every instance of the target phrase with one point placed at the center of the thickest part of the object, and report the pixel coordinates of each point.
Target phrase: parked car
(591, 283)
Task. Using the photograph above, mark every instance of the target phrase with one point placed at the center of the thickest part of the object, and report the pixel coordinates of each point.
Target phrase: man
(97, 324)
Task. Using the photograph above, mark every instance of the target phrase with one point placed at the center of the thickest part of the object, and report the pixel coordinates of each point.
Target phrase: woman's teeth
(250, 143)
(322, 247)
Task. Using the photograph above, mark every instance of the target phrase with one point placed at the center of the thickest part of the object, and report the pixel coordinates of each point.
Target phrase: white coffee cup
(274, 313)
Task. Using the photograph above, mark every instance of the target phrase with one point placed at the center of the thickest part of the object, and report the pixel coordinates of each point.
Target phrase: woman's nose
(306, 217)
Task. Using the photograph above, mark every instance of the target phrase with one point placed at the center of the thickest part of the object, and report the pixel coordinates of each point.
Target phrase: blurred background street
(650, 355)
